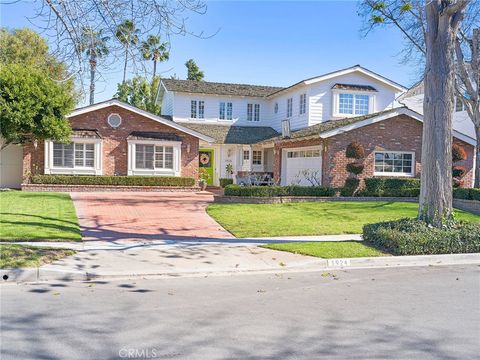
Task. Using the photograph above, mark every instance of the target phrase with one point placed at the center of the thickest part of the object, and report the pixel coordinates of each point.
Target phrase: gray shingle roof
(224, 134)
(205, 87)
(354, 87)
(316, 130)
(150, 135)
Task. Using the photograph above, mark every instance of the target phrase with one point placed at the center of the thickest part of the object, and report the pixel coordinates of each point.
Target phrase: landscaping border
(93, 188)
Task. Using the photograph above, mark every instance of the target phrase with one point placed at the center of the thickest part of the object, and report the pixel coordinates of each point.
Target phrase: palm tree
(153, 49)
(94, 44)
(127, 34)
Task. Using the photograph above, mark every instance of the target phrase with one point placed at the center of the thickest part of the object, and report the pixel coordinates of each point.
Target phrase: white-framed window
(303, 153)
(246, 155)
(353, 104)
(257, 113)
(197, 109)
(253, 112)
(275, 108)
(249, 112)
(289, 107)
(257, 157)
(225, 111)
(153, 157)
(303, 104)
(74, 155)
(81, 156)
(394, 163)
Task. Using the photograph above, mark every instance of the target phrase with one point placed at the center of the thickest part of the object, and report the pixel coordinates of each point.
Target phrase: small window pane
(361, 104)
(249, 112)
(345, 103)
(229, 111)
(193, 109)
(201, 109)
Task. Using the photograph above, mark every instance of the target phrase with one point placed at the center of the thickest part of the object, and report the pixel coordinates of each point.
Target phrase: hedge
(467, 193)
(271, 191)
(113, 180)
(401, 187)
(225, 181)
(415, 237)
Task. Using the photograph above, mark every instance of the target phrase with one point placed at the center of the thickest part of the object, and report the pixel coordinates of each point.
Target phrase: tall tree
(409, 16)
(155, 50)
(194, 72)
(94, 45)
(140, 93)
(128, 34)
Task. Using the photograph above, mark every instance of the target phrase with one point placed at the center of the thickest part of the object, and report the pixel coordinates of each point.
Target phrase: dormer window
(353, 100)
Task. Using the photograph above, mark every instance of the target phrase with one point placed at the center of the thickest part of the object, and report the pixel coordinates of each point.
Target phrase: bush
(403, 187)
(272, 191)
(415, 237)
(467, 193)
(355, 168)
(224, 182)
(351, 184)
(113, 180)
(355, 150)
(458, 153)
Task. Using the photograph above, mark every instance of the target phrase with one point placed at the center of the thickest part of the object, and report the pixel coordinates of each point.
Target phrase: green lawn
(328, 249)
(37, 217)
(19, 256)
(320, 218)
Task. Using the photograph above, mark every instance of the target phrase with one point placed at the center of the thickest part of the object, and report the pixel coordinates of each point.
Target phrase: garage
(302, 166)
(11, 160)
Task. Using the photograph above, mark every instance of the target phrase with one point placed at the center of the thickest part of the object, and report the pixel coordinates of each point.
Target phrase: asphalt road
(401, 313)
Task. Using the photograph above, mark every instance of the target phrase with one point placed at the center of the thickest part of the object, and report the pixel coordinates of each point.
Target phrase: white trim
(108, 120)
(399, 174)
(386, 116)
(141, 112)
(354, 69)
(336, 102)
(49, 168)
(177, 158)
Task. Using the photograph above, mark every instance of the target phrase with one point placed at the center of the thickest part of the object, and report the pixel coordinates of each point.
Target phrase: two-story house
(299, 133)
(292, 135)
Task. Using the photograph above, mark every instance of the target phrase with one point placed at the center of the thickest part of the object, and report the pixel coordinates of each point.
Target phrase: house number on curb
(338, 262)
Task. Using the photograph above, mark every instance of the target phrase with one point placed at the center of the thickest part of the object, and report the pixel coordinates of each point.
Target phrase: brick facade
(400, 133)
(114, 142)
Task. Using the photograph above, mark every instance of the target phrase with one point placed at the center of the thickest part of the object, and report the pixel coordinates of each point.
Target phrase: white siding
(167, 103)
(181, 109)
(321, 96)
(297, 121)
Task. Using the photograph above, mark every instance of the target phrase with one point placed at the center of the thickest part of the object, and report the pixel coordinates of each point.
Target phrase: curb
(44, 275)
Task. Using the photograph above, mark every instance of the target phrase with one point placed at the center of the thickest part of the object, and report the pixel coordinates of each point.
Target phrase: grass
(28, 216)
(328, 249)
(19, 256)
(321, 218)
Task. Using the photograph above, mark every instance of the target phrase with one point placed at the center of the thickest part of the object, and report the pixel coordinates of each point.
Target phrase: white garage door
(300, 165)
(11, 163)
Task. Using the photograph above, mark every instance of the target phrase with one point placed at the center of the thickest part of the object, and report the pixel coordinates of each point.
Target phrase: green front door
(206, 163)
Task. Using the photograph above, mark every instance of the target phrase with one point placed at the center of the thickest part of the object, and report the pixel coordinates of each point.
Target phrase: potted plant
(204, 176)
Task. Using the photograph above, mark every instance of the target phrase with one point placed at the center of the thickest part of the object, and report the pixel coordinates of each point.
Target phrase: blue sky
(273, 43)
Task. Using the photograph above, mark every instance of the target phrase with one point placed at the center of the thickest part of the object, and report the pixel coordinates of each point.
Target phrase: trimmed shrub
(113, 180)
(467, 193)
(415, 237)
(351, 184)
(403, 187)
(459, 171)
(225, 181)
(355, 150)
(272, 191)
(355, 168)
(458, 153)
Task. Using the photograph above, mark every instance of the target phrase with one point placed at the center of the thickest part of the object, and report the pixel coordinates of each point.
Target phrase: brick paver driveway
(115, 216)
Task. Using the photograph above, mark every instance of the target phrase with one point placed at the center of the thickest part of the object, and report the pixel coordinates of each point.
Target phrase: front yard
(320, 218)
(20, 256)
(28, 216)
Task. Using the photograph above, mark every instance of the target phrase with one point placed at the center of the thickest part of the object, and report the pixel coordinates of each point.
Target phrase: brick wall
(397, 134)
(114, 142)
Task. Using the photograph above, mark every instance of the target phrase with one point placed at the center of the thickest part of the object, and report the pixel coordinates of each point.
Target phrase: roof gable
(159, 119)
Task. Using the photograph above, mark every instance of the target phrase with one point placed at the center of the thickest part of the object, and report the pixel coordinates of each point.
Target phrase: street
(397, 313)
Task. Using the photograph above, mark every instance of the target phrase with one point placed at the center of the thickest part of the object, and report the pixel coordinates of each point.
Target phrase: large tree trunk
(435, 206)
(477, 152)
(93, 66)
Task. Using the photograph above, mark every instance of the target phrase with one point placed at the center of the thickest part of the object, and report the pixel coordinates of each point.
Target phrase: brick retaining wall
(92, 188)
(467, 205)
